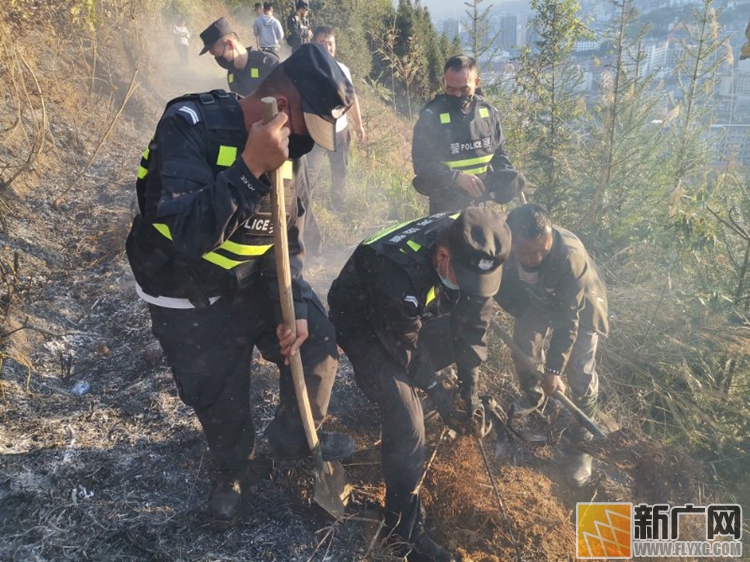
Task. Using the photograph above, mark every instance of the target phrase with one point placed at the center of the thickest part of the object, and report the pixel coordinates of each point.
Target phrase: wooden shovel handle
(284, 275)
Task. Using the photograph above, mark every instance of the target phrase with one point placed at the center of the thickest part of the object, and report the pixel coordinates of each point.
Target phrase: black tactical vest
(467, 143)
(235, 260)
(246, 80)
(410, 245)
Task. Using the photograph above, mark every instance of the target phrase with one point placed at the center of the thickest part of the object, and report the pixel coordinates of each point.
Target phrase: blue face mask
(447, 282)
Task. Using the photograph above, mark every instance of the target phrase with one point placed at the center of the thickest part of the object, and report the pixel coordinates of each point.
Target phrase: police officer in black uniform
(458, 148)
(412, 300)
(202, 250)
(246, 67)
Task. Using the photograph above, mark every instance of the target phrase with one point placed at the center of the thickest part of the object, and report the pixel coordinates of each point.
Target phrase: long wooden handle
(529, 365)
(284, 275)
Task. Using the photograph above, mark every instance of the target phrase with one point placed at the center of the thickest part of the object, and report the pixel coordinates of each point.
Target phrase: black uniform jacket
(447, 140)
(569, 288)
(244, 81)
(384, 292)
(203, 211)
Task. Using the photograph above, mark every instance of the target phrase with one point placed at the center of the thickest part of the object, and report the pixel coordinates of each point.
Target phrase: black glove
(444, 403)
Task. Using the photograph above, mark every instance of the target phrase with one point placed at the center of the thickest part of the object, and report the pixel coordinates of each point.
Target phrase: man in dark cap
(298, 25)
(458, 149)
(202, 253)
(412, 300)
(246, 67)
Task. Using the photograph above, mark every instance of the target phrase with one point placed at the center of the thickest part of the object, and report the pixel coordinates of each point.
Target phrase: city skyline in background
(456, 9)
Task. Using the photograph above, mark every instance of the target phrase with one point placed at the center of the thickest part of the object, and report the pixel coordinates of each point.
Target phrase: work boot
(226, 496)
(427, 550)
(530, 400)
(424, 549)
(579, 466)
(285, 447)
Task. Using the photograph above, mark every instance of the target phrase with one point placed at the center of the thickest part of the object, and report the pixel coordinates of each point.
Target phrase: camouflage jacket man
(566, 285)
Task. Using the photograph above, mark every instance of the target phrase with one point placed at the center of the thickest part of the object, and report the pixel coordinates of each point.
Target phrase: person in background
(267, 29)
(246, 67)
(551, 286)
(298, 25)
(202, 254)
(338, 159)
(181, 36)
(258, 9)
(412, 300)
(458, 148)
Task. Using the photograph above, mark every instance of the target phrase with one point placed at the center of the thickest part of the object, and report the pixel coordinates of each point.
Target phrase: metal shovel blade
(331, 488)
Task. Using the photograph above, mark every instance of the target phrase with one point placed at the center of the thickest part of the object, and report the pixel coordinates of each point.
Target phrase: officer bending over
(458, 148)
(412, 300)
(201, 251)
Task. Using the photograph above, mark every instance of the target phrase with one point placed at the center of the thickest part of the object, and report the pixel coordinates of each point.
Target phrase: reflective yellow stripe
(287, 170)
(386, 232)
(254, 73)
(142, 172)
(469, 161)
(484, 112)
(146, 153)
(221, 261)
(230, 78)
(229, 246)
(475, 171)
(430, 296)
(163, 230)
(413, 245)
(227, 156)
(445, 118)
(244, 250)
(455, 216)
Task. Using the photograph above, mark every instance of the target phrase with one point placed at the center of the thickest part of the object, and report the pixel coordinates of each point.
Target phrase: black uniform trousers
(386, 382)
(210, 352)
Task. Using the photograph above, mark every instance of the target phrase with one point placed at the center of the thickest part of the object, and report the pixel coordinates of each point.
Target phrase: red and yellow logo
(604, 530)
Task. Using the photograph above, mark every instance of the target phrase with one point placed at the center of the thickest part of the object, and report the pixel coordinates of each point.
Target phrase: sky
(444, 9)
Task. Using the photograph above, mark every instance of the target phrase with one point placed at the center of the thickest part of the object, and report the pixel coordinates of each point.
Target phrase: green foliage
(547, 86)
(84, 13)
(482, 37)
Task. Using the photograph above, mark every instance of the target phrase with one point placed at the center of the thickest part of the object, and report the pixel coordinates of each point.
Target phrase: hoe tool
(331, 486)
(582, 418)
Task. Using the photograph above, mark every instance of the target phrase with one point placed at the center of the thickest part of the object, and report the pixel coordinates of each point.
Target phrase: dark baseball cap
(303, 4)
(326, 92)
(214, 32)
(479, 243)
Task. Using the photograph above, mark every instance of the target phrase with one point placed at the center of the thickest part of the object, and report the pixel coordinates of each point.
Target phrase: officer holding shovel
(202, 254)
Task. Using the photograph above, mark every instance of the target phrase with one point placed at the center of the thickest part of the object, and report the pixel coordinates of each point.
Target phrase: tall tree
(548, 94)
(481, 34)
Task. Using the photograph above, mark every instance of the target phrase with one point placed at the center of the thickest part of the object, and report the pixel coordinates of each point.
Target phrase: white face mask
(445, 281)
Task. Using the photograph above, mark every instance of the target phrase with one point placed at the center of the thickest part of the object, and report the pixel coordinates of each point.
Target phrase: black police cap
(326, 92)
(214, 32)
(479, 243)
